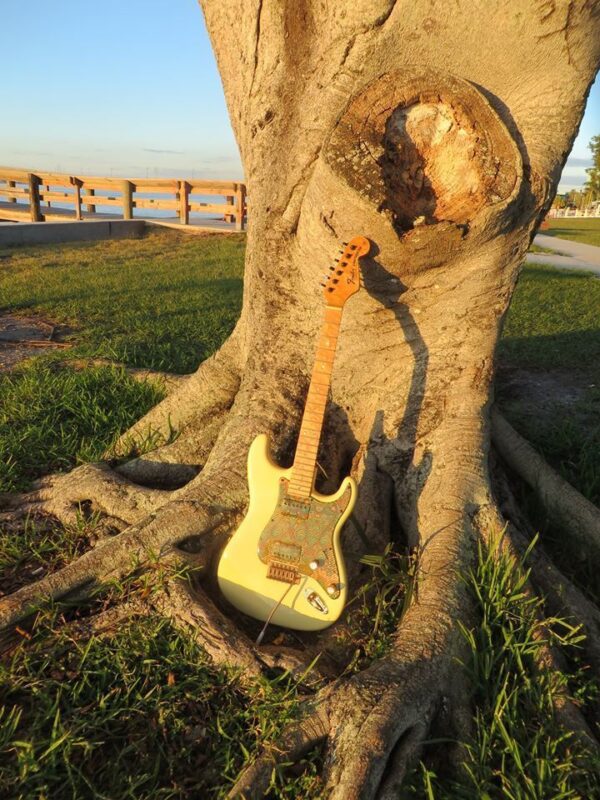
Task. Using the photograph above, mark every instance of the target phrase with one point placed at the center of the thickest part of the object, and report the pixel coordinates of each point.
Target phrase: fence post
(184, 203)
(90, 207)
(12, 185)
(77, 186)
(34, 197)
(229, 201)
(127, 200)
(240, 202)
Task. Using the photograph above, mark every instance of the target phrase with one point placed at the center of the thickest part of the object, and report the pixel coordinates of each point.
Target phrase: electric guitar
(284, 563)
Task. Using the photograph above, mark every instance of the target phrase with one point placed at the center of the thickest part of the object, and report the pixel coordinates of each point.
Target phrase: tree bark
(440, 135)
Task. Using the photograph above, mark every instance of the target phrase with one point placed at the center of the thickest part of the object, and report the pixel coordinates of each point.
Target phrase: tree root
(561, 597)
(191, 609)
(61, 496)
(105, 623)
(547, 658)
(207, 393)
(375, 722)
(295, 741)
(579, 518)
(177, 462)
(121, 555)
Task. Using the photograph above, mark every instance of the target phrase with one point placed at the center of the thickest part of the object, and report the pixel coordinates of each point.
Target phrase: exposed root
(374, 722)
(191, 609)
(579, 518)
(198, 399)
(404, 755)
(547, 658)
(297, 740)
(561, 597)
(61, 496)
(106, 622)
(186, 455)
(158, 474)
(378, 721)
(121, 555)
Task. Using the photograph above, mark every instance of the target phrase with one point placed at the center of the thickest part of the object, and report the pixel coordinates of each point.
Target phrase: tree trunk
(440, 135)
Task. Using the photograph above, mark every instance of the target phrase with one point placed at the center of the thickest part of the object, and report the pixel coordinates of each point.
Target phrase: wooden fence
(29, 195)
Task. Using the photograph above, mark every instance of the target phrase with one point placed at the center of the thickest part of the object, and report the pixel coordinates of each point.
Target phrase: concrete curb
(58, 232)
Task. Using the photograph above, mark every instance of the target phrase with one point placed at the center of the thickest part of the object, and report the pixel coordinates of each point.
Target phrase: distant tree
(592, 184)
(574, 198)
(560, 201)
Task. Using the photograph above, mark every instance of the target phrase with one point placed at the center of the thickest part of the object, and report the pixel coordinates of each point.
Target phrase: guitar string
(270, 617)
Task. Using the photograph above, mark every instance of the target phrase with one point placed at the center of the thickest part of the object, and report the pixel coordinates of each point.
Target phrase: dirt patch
(23, 337)
(539, 389)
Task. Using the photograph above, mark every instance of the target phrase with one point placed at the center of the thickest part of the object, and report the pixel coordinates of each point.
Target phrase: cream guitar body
(244, 577)
(284, 563)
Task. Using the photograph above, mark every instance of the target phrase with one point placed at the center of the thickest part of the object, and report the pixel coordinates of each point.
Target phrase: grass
(165, 302)
(52, 418)
(553, 329)
(519, 750)
(36, 548)
(586, 231)
(142, 713)
(535, 248)
(553, 320)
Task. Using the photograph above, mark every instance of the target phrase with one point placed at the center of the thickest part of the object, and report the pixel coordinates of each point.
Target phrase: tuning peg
(345, 244)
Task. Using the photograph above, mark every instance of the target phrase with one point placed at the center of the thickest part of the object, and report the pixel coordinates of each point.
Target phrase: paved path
(573, 255)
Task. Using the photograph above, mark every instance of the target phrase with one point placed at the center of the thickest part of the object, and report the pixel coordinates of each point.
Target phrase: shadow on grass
(576, 350)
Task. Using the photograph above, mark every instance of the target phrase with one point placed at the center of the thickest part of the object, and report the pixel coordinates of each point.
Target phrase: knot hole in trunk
(425, 148)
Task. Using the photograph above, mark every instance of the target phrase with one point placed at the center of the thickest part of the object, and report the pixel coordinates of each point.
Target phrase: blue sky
(130, 87)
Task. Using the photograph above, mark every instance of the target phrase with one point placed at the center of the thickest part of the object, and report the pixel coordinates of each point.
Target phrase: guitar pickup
(283, 573)
(295, 508)
(285, 552)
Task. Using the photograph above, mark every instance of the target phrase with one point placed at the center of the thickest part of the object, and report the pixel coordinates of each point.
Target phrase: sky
(131, 88)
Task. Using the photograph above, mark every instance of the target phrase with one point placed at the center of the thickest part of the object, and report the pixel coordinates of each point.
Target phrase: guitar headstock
(344, 277)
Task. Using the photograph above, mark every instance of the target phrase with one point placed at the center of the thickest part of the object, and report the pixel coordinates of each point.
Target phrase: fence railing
(50, 195)
(578, 213)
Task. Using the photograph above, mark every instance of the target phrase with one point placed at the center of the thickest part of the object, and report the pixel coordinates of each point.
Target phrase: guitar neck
(305, 461)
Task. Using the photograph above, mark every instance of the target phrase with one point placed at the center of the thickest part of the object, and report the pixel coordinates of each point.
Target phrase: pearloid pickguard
(242, 575)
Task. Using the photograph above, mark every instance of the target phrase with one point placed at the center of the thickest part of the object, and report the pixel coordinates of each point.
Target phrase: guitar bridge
(283, 573)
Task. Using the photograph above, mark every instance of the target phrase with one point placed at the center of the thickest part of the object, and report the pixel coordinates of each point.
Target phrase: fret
(311, 425)
(305, 461)
(325, 356)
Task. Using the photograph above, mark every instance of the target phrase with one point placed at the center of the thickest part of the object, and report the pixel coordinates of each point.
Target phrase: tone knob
(314, 565)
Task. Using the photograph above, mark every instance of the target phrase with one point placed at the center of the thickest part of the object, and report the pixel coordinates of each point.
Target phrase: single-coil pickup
(281, 572)
(295, 508)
